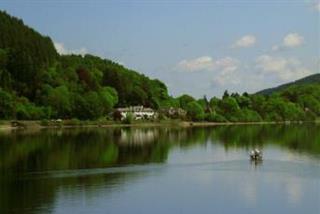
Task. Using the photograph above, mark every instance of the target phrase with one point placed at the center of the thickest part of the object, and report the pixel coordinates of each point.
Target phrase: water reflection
(41, 170)
(256, 163)
(138, 136)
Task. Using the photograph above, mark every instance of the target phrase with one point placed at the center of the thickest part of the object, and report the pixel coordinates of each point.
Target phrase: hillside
(36, 82)
(314, 78)
(24, 56)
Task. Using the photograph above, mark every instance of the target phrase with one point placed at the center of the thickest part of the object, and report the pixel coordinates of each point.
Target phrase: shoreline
(7, 126)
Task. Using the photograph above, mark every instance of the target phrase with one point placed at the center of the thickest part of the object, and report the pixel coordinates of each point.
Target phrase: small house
(138, 112)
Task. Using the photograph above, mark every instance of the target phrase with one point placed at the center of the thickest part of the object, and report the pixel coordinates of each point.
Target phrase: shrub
(72, 122)
(195, 111)
(128, 119)
(44, 122)
(214, 117)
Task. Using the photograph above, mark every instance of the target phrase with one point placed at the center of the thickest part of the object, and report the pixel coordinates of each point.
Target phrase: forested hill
(315, 78)
(36, 82)
(24, 54)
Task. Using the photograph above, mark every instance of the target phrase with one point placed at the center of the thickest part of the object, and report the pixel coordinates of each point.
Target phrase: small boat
(256, 155)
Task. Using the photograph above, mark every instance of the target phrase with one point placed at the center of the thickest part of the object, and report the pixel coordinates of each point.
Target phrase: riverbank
(12, 125)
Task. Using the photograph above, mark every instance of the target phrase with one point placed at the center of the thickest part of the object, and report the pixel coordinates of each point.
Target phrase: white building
(138, 112)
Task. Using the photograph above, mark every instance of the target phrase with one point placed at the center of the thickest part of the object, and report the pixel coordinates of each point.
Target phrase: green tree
(195, 111)
(6, 105)
(109, 98)
(184, 100)
(60, 100)
(92, 106)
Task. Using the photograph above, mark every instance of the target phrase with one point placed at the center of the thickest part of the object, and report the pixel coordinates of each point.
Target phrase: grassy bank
(35, 124)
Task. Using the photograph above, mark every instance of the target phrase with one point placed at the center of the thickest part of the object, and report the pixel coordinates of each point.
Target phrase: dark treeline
(38, 83)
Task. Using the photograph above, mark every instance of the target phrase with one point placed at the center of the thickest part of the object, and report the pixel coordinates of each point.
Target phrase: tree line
(38, 83)
(296, 103)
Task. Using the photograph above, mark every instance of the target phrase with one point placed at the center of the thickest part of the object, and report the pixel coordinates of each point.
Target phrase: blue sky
(195, 47)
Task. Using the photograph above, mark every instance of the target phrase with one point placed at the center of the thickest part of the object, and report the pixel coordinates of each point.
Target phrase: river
(161, 170)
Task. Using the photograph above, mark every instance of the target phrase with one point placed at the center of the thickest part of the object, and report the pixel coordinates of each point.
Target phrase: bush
(273, 117)
(248, 115)
(44, 122)
(28, 111)
(128, 119)
(310, 116)
(72, 122)
(194, 111)
(214, 117)
(6, 105)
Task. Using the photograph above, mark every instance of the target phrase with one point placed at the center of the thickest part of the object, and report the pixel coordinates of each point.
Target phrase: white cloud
(245, 42)
(224, 69)
(285, 69)
(197, 64)
(207, 63)
(227, 64)
(293, 40)
(61, 49)
(227, 71)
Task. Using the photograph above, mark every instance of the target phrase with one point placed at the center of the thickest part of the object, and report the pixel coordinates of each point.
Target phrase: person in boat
(256, 154)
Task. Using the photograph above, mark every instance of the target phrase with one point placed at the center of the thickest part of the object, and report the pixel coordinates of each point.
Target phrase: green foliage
(195, 111)
(170, 102)
(91, 106)
(184, 100)
(72, 122)
(258, 102)
(248, 115)
(109, 98)
(6, 105)
(26, 110)
(27, 54)
(296, 103)
(280, 110)
(214, 117)
(128, 119)
(229, 108)
(5, 76)
(59, 98)
(84, 87)
(311, 79)
(37, 83)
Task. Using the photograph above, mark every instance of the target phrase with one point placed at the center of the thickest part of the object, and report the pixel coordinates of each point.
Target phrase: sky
(194, 47)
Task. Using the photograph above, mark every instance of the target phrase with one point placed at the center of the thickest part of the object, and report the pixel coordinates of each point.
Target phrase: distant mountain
(314, 78)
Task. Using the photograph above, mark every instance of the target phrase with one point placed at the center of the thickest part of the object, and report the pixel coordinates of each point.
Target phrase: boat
(256, 155)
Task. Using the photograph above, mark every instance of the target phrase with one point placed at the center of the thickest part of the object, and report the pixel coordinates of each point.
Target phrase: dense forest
(314, 78)
(38, 83)
(296, 103)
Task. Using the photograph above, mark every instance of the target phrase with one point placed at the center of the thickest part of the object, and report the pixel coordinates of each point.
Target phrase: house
(138, 112)
(174, 112)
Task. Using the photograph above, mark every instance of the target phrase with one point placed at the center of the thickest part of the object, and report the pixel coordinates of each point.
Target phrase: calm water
(161, 170)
